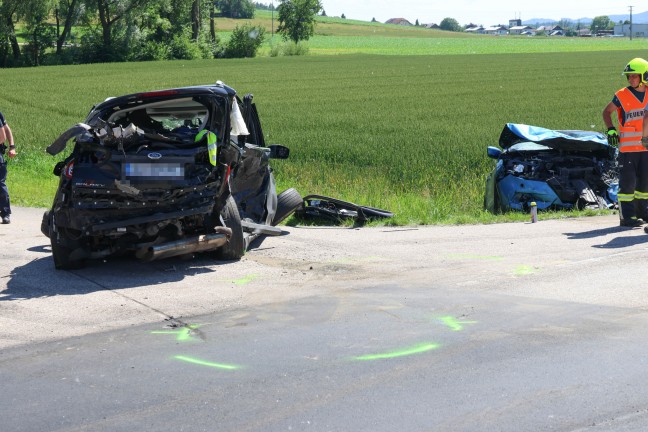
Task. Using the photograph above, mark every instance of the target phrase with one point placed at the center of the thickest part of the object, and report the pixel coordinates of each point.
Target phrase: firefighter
(629, 103)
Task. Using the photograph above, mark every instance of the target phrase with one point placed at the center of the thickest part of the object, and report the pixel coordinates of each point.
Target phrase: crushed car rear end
(138, 179)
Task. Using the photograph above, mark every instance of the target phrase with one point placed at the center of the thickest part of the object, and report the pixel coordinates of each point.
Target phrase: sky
(482, 12)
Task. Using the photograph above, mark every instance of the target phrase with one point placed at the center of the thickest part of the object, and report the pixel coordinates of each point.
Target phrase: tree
(373, 19)
(212, 23)
(450, 24)
(417, 23)
(600, 23)
(195, 19)
(323, 13)
(110, 12)
(297, 19)
(343, 16)
(41, 35)
(10, 12)
(235, 8)
(566, 23)
(68, 10)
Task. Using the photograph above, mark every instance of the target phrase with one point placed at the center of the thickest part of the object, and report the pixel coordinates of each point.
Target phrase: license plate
(153, 171)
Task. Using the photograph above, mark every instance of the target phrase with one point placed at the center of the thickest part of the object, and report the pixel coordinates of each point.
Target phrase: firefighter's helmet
(637, 66)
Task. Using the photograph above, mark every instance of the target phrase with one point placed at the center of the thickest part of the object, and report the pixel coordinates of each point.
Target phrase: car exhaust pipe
(201, 243)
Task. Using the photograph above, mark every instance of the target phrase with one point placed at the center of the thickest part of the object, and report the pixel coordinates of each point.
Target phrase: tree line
(45, 32)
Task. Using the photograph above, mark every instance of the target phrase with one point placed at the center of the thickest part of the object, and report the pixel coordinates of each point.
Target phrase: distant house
(398, 21)
(431, 26)
(475, 30)
(553, 30)
(496, 30)
(521, 29)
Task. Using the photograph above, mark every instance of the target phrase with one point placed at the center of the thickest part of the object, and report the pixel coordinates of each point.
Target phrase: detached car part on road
(335, 210)
(165, 173)
(556, 169)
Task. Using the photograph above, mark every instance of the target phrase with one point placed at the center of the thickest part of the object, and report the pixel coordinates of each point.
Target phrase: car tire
(62, 254)
(45, 224)
(234, 249)
(287, 202)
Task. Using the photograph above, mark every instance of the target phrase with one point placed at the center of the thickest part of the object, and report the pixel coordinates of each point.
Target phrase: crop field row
(405, 133)
(465, 45)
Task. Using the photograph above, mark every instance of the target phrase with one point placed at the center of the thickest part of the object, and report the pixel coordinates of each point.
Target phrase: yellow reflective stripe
(211, 136)
(634, 143)
(211, 144)
(625, 197)
(630, 134)
(641, 195)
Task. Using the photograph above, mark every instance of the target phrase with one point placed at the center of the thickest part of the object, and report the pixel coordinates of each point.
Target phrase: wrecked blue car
(556, 169)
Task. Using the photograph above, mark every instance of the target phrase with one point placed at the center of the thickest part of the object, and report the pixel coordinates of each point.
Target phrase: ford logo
(154, 156)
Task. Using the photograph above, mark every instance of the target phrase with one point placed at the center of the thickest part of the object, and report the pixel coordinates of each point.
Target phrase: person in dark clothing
(6, 136)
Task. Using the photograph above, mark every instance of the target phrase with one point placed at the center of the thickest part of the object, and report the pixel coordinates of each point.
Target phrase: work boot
(631, 223)
(6, 219)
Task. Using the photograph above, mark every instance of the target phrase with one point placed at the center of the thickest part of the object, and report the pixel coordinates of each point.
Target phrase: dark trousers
(633, 185)
(5, 207)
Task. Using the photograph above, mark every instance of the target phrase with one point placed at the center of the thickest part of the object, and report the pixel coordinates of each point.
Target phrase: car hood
(535, 138)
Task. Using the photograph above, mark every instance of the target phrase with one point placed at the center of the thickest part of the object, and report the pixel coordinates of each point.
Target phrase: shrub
(245, 41)
(183, 48)
(154, 51)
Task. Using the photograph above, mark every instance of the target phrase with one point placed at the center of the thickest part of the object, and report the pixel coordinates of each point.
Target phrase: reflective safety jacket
(631, 115)
(211, 144)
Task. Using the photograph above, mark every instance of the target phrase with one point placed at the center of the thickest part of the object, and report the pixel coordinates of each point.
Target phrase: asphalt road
(507, 327)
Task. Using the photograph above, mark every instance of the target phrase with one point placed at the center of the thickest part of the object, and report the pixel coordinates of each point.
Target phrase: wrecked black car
(556, 169)
(165, 173)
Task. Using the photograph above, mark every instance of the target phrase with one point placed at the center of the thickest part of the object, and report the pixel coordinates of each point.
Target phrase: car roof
(219, 89)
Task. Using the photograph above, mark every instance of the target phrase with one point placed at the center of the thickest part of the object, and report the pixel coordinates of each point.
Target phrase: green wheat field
(376, 120)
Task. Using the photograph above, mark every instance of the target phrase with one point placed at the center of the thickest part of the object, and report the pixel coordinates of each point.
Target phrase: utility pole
(630, 21)
(272, 25)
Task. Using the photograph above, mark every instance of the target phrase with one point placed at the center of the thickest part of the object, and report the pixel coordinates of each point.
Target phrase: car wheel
(235, 248)
(45, 224)
(287, 202)
(63, 255)
(62, 261)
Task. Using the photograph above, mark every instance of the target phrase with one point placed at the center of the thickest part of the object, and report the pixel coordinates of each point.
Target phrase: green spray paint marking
(245, 280)
(182, 335)
(476, 257)
(409, 351)
(523, 270)
(206, 363)
(453, 323)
